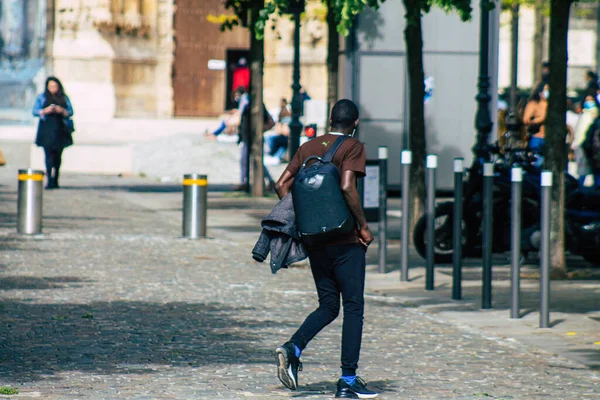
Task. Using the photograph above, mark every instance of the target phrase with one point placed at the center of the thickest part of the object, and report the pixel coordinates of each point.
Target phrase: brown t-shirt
(350, 156)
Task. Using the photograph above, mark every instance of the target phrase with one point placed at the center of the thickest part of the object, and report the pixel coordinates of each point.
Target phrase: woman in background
(55, 127)
(589, 114)
(534, 118)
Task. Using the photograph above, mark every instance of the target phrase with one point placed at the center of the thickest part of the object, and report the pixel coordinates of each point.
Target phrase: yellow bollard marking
(31, 177)
(199, 182)
(571, 333)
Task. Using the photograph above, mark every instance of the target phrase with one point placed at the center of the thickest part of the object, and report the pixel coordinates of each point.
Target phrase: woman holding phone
(55, 127)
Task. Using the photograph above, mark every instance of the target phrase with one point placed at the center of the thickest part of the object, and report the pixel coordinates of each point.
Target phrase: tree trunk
(538, 41)
(555, 148)
(333, 50)
(256, 104)
(414, 54)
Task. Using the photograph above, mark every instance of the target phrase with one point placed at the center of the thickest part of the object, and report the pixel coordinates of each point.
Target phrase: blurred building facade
(141, 58)
(149, 58)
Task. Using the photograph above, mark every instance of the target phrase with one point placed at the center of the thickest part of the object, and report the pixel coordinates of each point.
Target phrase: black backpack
(319, 204)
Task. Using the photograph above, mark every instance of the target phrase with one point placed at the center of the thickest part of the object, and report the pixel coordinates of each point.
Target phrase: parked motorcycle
(582, 212)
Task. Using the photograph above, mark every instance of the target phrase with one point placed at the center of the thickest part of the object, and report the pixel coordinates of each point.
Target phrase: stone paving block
(111, 304)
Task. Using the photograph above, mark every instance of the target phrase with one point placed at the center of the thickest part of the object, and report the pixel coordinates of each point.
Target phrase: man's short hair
(344, 114)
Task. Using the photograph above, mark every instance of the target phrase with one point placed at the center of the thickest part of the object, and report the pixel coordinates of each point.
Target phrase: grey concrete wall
(374, 75)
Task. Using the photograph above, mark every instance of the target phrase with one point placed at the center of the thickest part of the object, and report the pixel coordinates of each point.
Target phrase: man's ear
(330, 121)
(356, 124)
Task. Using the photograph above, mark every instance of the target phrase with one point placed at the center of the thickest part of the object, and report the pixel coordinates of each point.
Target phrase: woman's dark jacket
(52, 130)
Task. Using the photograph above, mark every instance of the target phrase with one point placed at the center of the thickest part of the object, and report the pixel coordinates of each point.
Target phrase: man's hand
(365, 236)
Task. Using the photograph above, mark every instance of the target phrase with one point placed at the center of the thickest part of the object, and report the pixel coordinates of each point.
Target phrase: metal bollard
(488, 205)
(406, 160)
(195, 203)
(545, 251)
(29, 203)
(457, 230)
(431, 166)
(383, 158)
(515, 242)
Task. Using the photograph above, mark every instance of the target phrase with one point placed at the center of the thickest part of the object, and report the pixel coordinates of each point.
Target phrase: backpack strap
(328, 157)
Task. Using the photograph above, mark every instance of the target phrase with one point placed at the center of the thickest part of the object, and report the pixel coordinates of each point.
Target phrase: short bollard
(406, 160)
(195, 191)
(545, 251)
(457, 230)
(515, 242)
(29, 203)
(430, 210)
(383, 158)
(488, 204)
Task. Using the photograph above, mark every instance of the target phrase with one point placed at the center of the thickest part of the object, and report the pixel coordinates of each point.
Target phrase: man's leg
(220, 129)
(597, 179)
(271, 145)
(350, 277)
(244, 164)
(288, 355)
(329, 299)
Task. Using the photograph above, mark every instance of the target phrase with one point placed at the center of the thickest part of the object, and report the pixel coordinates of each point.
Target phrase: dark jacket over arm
(280, 237)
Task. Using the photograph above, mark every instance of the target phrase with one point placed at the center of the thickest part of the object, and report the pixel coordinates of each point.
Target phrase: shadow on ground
(37, 283)
(327, 387)
(121, 337)
(591, 357)
(146, 188)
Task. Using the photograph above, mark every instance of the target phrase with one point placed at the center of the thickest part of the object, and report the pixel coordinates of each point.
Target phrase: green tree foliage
(345, 12)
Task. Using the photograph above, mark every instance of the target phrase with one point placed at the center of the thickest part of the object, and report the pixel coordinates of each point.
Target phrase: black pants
(338, 269)
(53, 161)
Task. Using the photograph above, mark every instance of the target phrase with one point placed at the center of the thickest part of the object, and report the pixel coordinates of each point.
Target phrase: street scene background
(111, 302)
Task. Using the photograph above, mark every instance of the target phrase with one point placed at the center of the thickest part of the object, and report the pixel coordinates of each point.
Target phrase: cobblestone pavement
(111, 304)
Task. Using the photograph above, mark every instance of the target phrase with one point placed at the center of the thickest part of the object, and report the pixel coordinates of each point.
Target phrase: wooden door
(198, 91)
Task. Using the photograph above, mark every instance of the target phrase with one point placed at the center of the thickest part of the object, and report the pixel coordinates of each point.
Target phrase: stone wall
(114, 56)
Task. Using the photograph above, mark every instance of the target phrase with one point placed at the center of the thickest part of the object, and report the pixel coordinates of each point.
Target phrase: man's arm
(284, 184)
(353, 201)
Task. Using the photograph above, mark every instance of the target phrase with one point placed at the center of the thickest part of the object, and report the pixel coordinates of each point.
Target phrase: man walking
(338, 265)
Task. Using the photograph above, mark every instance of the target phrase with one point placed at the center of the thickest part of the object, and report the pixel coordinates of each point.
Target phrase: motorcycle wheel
(443, 250)
(592, 258)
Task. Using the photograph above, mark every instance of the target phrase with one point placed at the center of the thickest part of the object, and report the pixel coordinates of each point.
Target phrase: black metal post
(488, 204)
(383, 158)
(483, 121)
(515, 242)
(296, 125)
(406, 160)
(457, 230)
(430, 210)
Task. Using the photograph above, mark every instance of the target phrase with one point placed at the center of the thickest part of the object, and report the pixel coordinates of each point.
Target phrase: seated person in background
(278, 143)
(534, 117)
(233, 117)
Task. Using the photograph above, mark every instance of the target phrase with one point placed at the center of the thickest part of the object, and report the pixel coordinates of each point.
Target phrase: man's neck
(339, 131)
